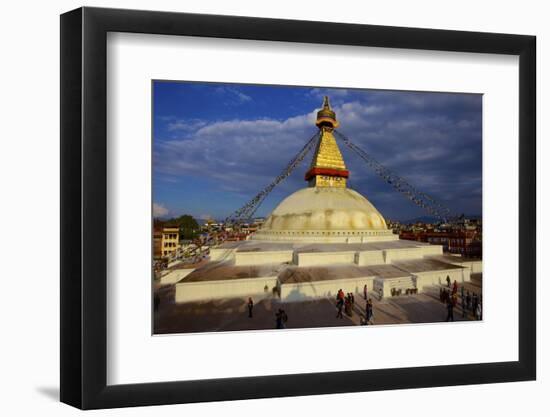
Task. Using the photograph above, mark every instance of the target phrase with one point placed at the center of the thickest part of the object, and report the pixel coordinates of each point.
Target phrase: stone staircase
(388, 287)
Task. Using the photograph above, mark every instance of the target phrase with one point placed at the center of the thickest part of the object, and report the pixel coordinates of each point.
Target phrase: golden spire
(327, 166)
(326, 115)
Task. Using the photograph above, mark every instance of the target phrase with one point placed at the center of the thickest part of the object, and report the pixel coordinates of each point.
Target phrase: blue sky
(216, 145)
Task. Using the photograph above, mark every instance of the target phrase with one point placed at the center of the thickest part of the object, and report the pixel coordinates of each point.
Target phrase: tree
(158, 223)
(189, 228)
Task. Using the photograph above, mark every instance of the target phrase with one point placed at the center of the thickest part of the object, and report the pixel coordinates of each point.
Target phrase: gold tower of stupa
(327, 166)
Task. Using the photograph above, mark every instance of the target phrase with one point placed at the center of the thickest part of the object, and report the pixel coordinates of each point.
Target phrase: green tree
(189, 228)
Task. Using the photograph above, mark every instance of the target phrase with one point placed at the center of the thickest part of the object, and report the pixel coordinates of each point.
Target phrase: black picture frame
(84, 207)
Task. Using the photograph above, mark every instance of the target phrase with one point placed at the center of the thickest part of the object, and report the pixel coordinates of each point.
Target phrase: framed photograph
(261, 208)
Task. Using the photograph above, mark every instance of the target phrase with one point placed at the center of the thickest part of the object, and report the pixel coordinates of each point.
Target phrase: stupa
(327, 210)
(319, 239)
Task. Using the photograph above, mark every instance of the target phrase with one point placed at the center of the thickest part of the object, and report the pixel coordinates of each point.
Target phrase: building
(157, 243)
(165, 241)
(322, 238)
(461, 241)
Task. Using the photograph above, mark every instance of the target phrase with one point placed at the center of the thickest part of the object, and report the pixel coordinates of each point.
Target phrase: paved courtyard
(232, 314)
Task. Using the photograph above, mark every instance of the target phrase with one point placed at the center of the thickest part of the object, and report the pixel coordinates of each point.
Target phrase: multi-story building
(165, 241)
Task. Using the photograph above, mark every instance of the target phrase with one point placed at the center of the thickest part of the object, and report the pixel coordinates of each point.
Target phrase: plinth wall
(319, 289)
(174, 276)
(426, 279)
(370, 257)
(391, 255)
(231, 288)
(476, 267)
(428, 250)
(324, 258)
(222, 254)
(263, 257)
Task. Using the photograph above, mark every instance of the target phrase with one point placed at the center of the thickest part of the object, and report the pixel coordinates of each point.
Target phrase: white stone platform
(222, 280)
(297, 271)
(310, 254)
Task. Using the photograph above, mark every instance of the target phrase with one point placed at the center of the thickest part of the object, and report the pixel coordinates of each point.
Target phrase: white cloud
(234, 95)
(159, 210)
(239, 155)
(242, 97)
(185, 124)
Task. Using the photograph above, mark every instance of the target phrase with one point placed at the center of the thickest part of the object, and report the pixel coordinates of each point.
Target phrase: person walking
(478, 311)
(450, 311)
(347, 306)
(455, 287)
(284, 319)
(446, 296)
(156, 302)
(339, 307)
(448, 281)
(250, 307)
(475, 303)
(369, 312)
(365, 291)
(279, 319)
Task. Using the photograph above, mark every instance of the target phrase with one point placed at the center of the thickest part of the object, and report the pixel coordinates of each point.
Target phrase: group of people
(344, 302)
(280, 317)
(448, 296)
(469, 302)
(472, 303)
